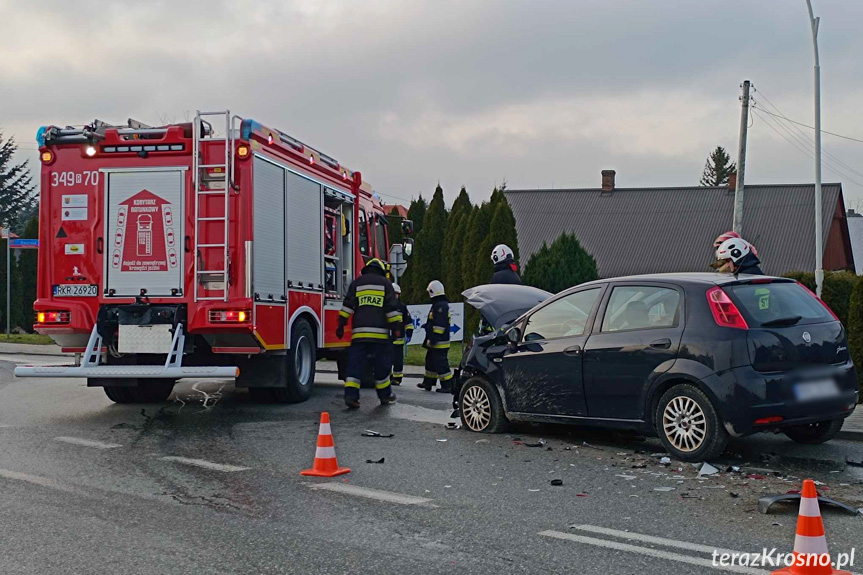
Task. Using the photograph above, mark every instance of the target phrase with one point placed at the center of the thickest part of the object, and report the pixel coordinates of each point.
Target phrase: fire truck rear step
(89, 367)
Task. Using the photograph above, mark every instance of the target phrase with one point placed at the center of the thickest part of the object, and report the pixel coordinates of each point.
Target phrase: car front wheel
(481, 407)
(688, 425)
(814, 433)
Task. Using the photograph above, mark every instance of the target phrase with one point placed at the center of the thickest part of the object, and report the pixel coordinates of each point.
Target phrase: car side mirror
(513, 336)
(407, 227)
(408, 247)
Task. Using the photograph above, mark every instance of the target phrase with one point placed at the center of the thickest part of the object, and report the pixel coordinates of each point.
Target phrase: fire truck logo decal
(145, 239)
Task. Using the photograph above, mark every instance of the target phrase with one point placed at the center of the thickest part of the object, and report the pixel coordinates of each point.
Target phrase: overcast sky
(540, 93)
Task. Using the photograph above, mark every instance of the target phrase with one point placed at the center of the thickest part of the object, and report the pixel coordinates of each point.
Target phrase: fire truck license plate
(76, 290)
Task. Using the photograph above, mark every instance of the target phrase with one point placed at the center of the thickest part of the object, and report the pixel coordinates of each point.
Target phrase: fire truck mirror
(409, 248)
(407, 227)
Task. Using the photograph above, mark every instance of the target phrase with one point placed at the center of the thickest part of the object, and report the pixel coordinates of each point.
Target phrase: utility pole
(741, 160)
(8, 280)
(819, 235)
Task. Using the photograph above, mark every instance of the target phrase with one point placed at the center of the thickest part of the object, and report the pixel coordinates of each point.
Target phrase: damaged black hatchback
(693, 358)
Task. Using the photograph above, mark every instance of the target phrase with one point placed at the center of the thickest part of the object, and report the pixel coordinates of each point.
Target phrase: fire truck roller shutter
(143, 222)
(268, 248)
(304, 221)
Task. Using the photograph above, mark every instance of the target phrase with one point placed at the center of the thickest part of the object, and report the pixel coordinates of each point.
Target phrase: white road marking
(35, 480)
(205, 464)
(657, 553)
(650, 539)
(87, 442)
(369, 493)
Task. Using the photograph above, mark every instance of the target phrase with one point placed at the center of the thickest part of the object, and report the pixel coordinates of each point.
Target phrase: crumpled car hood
(500, 304)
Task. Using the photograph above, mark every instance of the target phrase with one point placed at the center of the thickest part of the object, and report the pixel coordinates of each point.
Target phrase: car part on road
(764, 503)
(481, 407)
(381, 460)
(372, 433)
(706, 469)
(688, 425)
(814, 433)
(853, 463)
(557, 482)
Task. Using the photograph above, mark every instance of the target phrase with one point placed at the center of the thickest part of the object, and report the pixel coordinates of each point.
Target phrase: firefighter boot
(396, 380)
(445, 386)
(427, 384)
(391, 398)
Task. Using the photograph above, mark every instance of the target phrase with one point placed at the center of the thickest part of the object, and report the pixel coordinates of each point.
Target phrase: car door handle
(661, 344)
(573, 351)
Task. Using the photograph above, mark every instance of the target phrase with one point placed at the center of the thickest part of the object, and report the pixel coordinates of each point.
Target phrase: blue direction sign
(24, 244)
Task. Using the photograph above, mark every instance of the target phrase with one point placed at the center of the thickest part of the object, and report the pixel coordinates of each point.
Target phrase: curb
(29, 352)
(850, 435)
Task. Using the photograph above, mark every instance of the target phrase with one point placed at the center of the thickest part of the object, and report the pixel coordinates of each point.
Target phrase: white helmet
(734, 249)
(501, 252)
(435, 288)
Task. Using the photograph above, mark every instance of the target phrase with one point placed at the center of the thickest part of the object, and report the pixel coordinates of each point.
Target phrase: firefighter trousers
(398, 350)
(437, 368)
(358, 355)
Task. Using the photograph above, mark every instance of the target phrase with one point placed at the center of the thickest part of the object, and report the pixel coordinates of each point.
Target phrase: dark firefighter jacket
(372, 303)
(437, 324)
(406, 325)
(504, 273)
(749, 265)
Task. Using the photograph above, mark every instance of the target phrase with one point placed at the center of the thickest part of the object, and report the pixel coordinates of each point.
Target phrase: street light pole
(819, 234)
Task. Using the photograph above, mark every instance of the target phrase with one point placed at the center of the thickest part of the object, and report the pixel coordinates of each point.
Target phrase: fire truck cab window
(380, 239)
(363, 233)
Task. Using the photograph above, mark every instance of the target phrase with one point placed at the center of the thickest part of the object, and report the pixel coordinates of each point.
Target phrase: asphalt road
(90, 487)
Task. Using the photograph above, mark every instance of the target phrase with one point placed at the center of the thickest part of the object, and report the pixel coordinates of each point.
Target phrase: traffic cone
(325, 455)
(811, 556)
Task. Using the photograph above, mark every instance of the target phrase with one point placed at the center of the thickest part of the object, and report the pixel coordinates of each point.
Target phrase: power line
(780, 115)
(804, 150)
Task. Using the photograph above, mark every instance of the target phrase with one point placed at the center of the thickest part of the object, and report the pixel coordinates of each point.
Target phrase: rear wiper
(790, 320)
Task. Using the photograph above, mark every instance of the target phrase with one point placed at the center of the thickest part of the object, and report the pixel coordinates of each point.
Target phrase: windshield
(769, 303)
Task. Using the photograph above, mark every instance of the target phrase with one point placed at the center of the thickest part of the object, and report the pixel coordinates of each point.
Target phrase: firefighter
(372, 306)
(400, 343)
(737, 256)
(505, 268)
(437, 341)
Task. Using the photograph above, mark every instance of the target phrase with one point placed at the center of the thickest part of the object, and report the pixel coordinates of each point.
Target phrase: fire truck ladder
(217, 178)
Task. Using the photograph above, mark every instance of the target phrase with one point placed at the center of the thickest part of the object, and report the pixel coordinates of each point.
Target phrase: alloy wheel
(684, 424)
(476, 408)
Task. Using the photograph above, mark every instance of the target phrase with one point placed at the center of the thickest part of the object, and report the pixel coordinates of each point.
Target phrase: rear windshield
(764, 303)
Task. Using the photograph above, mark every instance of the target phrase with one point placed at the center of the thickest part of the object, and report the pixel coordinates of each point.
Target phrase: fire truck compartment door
(144, 232)
(305, 233)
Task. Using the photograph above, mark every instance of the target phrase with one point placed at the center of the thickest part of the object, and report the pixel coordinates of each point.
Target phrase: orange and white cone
(325, 464)
(811, 556)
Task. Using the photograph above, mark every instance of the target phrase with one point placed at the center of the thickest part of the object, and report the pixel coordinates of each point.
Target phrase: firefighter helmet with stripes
(435, 288)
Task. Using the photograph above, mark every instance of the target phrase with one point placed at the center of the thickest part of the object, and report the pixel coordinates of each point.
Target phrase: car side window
(641, 307)
(565, 317)
(363, 233)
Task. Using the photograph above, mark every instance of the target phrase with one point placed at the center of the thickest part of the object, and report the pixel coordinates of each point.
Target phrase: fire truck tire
(118, 394)
(300, 365)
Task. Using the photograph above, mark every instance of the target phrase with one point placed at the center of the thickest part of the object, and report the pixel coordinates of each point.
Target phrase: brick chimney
(608, 180)
(732, 181)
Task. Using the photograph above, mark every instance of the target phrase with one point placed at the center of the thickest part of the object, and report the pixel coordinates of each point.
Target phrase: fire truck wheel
(118, 394)
(300, 365)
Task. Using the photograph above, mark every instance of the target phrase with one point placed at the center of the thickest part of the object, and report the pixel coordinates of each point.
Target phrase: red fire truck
(217, 248)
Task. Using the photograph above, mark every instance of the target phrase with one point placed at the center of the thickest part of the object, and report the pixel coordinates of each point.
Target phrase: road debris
(627, 477)
(581, 494)
(442, 440)
(666, 461)
(453, 425)
(767, 501)
(557, 482)
(664, 489)
(533, 490)
(705, 469)
(539, 443)
(853, 463)
(373, 433)
(481, 441)
(381, 460)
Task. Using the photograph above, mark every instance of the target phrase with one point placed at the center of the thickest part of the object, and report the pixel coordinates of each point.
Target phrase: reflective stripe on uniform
(398, 342)
(394, 316)
(346, 311)
(369, 335)
(442, 345)
(398, 374)
(382, 384)
(431, 374)
(446, 376)
(352, 382)
(440, 330)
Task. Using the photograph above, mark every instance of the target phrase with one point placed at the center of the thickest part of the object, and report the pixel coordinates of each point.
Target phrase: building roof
(656, 230)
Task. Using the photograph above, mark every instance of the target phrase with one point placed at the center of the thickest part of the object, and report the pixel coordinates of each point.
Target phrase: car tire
(688, 424)
(299, 365)
(814, 433)
(481, 408)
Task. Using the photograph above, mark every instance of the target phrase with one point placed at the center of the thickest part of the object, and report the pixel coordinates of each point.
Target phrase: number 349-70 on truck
(215, 248)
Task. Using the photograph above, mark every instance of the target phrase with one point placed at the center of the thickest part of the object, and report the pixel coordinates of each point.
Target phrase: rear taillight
(827, 307)
(53, 317)
(229, 316)
(725, 313)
